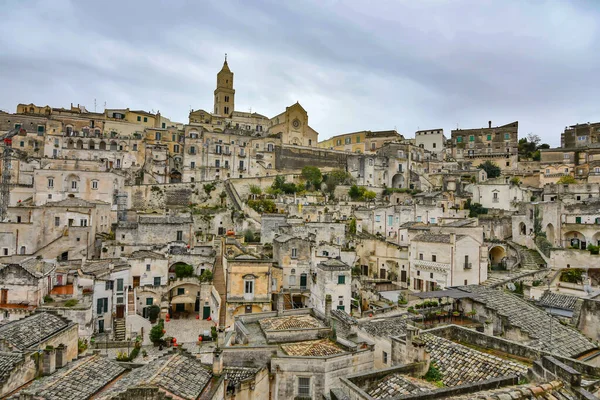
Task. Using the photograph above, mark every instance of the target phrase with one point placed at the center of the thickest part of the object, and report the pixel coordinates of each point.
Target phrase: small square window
(139, 118)
(145, 119)
(147, 267)
(341, 279)
(149, 301)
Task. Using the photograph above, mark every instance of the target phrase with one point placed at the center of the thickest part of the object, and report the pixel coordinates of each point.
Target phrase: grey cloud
(352, 64)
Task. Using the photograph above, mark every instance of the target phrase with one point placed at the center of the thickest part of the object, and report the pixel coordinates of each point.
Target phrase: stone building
(333, 278)
(251, 282)
(497, 144)
(432, 140)
(580, 135)
(53, 337)
(503, 196)
(446, 259)
(361, 142)
(23, 286)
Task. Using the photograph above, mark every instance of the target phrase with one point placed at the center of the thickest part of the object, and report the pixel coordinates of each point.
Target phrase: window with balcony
(249, 288)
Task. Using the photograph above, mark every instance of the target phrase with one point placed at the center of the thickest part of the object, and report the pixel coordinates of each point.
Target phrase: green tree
(184, 270)
(492, 169)
(153, 312)
(369, 195)
(312, 175)
(208, 188)
(515, 181)
(352, 226)
(256, 190)
(566, 180)
(156, 333)
(337, 177)
(356, 192)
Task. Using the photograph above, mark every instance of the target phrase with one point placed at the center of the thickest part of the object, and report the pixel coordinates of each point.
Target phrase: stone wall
(589, 318)
(290, 157)
(171, 195)
(252, 357)
(21, 373)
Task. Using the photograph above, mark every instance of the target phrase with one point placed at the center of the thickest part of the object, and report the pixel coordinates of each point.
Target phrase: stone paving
(187, 330)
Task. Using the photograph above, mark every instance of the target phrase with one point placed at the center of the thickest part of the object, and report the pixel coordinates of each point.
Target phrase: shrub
(122, 356)
(134, 353)
(184, 271)
(263, 206)
(208, 188)
(48, 299)
(153, 312)
(433, 374)
(71, 303)
(593, 249)
(207, 276)
(82, 345)
(491, 168)
(566, 180)
(572, 276)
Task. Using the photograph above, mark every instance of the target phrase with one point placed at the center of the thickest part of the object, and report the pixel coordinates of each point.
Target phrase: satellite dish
(511, 286)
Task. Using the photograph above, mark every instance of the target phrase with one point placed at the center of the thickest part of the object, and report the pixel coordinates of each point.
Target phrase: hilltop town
(239, 256)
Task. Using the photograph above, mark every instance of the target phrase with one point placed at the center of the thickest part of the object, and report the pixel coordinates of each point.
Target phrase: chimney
(489, 124)
(217, 367)
(328, 309)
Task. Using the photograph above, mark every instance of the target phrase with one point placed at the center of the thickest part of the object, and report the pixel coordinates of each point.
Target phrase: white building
(432, 140)
(333, 278)
(443, 260)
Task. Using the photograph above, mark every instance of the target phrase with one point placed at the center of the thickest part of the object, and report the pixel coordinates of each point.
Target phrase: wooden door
(136, 281)
(120, 310)
(4, 296)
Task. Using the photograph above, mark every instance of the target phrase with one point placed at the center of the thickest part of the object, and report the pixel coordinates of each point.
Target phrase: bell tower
(224, 93)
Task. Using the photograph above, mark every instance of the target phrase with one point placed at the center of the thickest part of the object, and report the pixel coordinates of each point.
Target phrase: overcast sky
(353, 65)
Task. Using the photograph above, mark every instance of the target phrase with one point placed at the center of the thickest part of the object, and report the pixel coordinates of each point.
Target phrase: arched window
(113, 146)
(23, 249)
(102, 146)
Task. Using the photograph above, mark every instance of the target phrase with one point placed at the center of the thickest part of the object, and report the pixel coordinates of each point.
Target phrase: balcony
(495, 200)
(431, 266)
(468, 265)
(242, 155)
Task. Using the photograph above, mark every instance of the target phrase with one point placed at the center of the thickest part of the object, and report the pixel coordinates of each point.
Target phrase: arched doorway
(596, 239)
(574, 239)
(522, 229)
(497, 255)
(175, 176)
(398, 181)
(550, 234)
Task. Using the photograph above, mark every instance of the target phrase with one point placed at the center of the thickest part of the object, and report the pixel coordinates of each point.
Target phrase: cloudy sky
(352, 64)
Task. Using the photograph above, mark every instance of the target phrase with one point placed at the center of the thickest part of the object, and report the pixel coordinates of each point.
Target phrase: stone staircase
(130, 302)
(119, 329)
(531, 259)
(220, 287)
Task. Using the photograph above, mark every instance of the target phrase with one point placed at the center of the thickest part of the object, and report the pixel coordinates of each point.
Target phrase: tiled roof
(460, 364)
(99, 268)
(312, 348)
(563, 301)
(547, 332)
(26, 332)
(146, 254)
(333, 263)
(237, 374)
(544, 391)
(78, 381)
(398, 384)
(385, 327)
(75, 202)
(178, 374)
(290, 322)
(344, 317)
(436, 238)
(37, 268)
(7, 364)
(168, 219)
